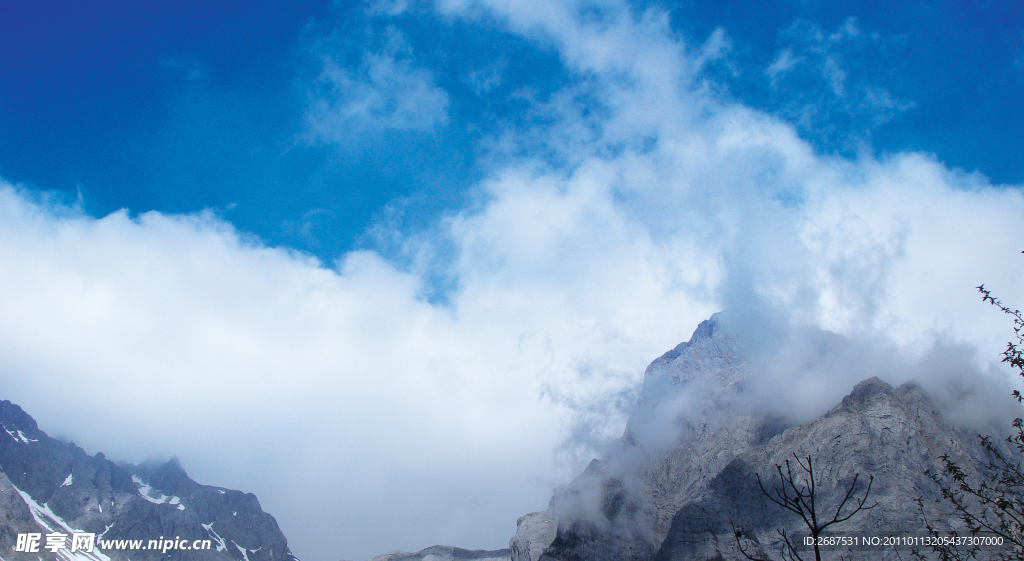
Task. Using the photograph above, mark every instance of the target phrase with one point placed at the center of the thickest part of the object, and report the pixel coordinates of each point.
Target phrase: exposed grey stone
(534, 533)
(677, 440)
(124, 502)
(891, 434)
(445, 553)
(683, 478)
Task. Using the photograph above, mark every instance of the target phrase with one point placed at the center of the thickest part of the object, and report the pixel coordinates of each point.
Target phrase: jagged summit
(711, 352)
(709, 365)
(685, 471)
(13, 417)
(867, 392)
(705, 332)
(51, 486)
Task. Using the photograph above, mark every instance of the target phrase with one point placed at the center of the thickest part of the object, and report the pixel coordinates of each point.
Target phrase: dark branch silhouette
(993, 502)
(799, 495)
(737, 534)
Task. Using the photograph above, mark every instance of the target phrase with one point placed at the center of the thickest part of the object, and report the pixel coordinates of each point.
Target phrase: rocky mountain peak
(47, 485)
(13, 418)
(711, 363)
(711, 353)
(679, 500)
(864, 394)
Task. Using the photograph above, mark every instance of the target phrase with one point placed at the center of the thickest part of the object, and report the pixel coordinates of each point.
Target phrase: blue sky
(179, 107)
(412, 258)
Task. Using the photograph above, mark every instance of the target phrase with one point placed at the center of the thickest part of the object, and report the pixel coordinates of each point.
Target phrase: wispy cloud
(823, 92)
(188, 68)
(386, 92)
(483, 80)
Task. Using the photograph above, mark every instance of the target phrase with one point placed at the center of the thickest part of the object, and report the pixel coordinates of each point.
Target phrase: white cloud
(387, 92)
(818, 81)
(383, 421)
(784, 62)
(388, 7)
(166, 334)
(485, 79)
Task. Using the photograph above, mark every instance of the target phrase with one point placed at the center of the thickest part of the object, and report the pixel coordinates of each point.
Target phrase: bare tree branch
(799, 495)
(993, 501)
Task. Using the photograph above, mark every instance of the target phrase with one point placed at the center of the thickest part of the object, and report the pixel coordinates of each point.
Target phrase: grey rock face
(48, 485)
(676, 442)
(15, 518)
(891, 434)
(445, 553)
(683, 478)
(534, 533)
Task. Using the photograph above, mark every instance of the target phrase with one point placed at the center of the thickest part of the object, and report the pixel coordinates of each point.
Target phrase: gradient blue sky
(184, 106)
(411, 259)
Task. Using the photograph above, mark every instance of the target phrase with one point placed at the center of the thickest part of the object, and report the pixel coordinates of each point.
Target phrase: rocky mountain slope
(683, 478)
(445, 553)
(53, 487)
(681, 483)
(891, 434)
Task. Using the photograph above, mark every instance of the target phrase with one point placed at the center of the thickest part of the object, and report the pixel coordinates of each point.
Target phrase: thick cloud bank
(367, 418)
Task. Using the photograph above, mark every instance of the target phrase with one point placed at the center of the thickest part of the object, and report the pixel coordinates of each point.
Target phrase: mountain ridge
(656, 499)
(47, 485)
(679, 484)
